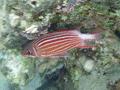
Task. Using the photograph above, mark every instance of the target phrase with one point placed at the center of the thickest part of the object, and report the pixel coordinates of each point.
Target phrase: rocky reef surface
(84, 69)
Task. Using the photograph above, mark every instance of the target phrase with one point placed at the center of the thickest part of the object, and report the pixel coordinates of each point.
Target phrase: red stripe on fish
(53, 36)
(64, 48)
(56, 43)
(55, 47)
(58, 50)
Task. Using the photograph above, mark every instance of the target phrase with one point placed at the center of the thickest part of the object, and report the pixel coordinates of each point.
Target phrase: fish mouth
(23, 53)
(26, 55)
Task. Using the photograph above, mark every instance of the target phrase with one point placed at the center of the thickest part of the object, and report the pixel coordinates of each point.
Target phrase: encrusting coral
(93, 69)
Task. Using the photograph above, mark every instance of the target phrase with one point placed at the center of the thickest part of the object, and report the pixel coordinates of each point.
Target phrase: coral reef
(84, 69)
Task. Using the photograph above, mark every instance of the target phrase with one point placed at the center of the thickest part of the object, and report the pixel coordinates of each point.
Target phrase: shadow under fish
(51, 78)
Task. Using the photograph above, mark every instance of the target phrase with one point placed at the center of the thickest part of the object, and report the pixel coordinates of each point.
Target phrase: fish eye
(29, 52)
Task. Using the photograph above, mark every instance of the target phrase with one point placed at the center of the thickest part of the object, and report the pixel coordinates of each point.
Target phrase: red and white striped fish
(58, 43)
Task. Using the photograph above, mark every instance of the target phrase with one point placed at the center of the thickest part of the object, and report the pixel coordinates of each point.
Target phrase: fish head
(28, 50)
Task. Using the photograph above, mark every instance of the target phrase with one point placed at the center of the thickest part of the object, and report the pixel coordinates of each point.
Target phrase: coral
(83, 69)
(4, 83)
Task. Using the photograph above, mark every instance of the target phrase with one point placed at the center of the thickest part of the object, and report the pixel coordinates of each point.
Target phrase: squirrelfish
(58, 43)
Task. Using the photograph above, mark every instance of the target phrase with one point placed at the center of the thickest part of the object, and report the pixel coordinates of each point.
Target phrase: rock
(88, 66)
(14, 19)
(32, 29)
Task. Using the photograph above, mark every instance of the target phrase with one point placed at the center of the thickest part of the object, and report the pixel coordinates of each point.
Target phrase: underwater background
(85, 69)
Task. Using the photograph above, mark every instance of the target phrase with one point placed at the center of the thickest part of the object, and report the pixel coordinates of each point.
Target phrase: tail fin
(88, 37)
(88, 40)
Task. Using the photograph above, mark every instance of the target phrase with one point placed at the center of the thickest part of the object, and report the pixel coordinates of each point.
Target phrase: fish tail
(95, 36)
(89, 40)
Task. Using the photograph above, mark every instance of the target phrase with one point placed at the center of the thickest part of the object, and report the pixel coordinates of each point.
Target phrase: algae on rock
(21, 20)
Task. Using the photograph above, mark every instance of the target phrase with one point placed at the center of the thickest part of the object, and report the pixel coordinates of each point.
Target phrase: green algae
(89, 16)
